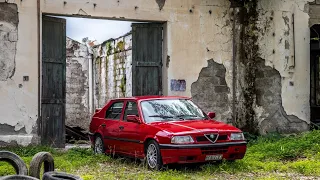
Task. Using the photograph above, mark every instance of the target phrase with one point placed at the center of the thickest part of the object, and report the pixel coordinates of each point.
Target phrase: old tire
(18, 177)
(15, 161)
(59, 175)
(153, 156)
(40, 158)
(99, 147)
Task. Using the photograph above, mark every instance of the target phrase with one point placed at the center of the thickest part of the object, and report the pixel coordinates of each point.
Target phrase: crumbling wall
(18, 77)
(269, 88)
(283, 85)
(210, 91)
(8, 39)
(268, 97)
(77, 86)
(113, 69)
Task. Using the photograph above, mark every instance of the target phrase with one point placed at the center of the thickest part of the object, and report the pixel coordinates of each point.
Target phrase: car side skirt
(122, 139)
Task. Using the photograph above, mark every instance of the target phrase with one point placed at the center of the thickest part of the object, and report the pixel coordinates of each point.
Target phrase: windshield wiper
(161, 116)
(186, 115)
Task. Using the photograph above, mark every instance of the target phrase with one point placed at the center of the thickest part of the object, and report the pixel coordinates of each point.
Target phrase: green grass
(270, 157)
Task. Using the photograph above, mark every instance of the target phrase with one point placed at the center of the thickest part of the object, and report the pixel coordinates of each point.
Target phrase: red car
(164, 130)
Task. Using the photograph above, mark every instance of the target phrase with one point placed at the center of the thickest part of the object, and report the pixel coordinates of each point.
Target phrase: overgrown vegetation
(270, 157)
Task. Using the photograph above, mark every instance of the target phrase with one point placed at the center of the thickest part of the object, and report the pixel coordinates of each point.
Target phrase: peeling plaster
(19, 115)
(269, 110)
(281, 53)
(210, 91)
(8, 39)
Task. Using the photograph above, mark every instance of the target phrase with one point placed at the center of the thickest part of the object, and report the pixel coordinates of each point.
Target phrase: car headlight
(181, 139)
(237, 136)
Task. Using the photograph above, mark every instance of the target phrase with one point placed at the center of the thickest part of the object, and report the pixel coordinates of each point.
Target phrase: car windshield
(170, 110)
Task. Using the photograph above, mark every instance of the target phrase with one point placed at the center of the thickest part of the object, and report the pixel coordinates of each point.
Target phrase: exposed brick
(268, 96)
(210, 91)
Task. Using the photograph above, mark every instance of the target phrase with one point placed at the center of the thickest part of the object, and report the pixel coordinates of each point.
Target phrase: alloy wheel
(98, 146)
(152, 158)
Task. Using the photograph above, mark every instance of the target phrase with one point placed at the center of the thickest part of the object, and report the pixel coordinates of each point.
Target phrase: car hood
(194, 126)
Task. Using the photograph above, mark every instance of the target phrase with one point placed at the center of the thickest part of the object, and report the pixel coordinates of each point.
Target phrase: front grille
(203, 138)
(210, 150)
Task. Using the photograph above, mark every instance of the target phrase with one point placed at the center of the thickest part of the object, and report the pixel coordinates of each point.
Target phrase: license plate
(213, 157)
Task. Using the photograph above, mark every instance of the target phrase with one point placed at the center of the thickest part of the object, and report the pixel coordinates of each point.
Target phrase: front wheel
(99, 145)
(153, 156)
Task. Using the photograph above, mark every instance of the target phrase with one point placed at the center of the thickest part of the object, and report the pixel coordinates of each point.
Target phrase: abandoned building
(255, 63)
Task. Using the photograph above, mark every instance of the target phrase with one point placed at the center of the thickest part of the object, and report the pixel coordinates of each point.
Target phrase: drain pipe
(90, 83)
(39, 68)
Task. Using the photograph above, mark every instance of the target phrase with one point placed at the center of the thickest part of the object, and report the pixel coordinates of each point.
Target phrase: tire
(59, 176)
(18, 177)
(99, 147)
(153, 156)
(15, 161)
(40, 158)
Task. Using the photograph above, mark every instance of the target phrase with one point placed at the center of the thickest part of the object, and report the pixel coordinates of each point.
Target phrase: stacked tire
(41, 158)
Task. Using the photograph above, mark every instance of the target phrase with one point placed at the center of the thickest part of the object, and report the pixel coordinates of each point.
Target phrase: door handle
(103, 125)
(121, 127)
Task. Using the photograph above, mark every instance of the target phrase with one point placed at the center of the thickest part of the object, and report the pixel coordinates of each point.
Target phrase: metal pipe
(39, 68)
(90, 84)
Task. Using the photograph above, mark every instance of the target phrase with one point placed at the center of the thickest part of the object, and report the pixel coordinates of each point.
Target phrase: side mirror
(97, 110)
(133, 118)
(211, 115)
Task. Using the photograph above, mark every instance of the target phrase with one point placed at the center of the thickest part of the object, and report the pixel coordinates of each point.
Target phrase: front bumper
(193, 153)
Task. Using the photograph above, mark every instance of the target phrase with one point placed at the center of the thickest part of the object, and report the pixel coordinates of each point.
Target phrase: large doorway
(315, 73)
(147, 54)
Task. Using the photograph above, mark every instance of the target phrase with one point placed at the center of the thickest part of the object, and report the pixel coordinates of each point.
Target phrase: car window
(131, 109)
(114, 111)
(170, 110)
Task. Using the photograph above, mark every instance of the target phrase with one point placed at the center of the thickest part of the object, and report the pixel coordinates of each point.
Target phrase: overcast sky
(95, 29)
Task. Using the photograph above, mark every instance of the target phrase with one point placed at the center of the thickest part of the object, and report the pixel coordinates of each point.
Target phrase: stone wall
(112, 69)
(77, 86)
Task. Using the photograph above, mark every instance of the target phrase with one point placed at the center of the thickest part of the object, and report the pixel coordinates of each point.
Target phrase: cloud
(95, 29)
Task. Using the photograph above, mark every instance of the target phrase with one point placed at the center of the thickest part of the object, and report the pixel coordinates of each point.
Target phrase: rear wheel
(153, 156)
(99, 145)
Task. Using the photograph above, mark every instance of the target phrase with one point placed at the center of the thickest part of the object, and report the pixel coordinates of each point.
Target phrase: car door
(111, 125)
(130, 132)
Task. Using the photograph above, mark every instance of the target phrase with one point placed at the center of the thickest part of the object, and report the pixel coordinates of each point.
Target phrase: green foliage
(120, 46)
(109, 48)
(266, 157)
(123, 85)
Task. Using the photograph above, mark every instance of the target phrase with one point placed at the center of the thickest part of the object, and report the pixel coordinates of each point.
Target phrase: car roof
(141, 98)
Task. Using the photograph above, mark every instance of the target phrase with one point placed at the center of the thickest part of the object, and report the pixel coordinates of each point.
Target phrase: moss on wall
(249, 54)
